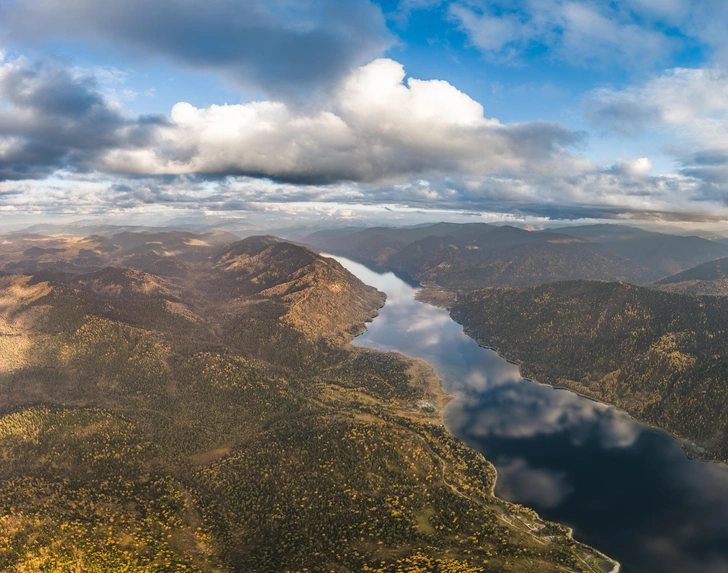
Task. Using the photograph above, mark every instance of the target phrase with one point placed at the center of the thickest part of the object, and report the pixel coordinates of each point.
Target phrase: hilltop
(462, 257)
(663, 253)
(710, 278)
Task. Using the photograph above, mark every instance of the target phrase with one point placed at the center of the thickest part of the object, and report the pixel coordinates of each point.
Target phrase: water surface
(626, 489)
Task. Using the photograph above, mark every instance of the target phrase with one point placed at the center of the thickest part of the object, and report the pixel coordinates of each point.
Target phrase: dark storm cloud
(282, 47)
(50, 119)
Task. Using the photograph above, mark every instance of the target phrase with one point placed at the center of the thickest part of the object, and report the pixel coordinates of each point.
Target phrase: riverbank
(691, 449)
(620, 483)
(442, 298)
(424, 375)
(436, 296)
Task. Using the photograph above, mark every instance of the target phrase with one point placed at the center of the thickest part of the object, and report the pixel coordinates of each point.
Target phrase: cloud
(691, 100)
(636, 33)
(377, 137)
(580, 33)
(281, 47)
(636, 168)
(51, 119)
(374, 127)
(688, 103)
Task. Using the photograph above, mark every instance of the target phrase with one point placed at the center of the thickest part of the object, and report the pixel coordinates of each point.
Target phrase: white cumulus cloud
(375, 126)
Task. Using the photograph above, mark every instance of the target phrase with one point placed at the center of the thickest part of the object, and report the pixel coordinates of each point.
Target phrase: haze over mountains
(467, 256)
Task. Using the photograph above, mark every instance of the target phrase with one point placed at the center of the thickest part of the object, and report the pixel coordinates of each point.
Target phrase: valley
(464, 257)
(620, 484)
(213, 417)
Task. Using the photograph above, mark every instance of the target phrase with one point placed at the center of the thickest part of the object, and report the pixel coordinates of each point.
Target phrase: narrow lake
(625, 488)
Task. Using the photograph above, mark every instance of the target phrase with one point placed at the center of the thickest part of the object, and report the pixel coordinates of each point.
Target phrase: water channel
(625, 488)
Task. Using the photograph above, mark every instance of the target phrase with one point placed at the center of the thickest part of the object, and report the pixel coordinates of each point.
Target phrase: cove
(624, 487)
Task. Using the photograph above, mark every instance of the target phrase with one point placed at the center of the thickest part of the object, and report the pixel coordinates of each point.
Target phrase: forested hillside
(464, 257)
(664, 254)
(660, 356)
(707, 279)
(217, 420)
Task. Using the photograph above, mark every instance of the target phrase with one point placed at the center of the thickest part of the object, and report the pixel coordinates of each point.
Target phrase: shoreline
(429, 374)
(692, 450)
(687, 446)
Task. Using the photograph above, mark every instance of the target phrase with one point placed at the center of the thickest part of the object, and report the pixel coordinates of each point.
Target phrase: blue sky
(532, 110)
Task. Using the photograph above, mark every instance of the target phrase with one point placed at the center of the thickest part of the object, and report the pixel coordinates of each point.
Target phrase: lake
(625, 488)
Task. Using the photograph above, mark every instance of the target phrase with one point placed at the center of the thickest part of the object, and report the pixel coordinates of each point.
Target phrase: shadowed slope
(707, 279)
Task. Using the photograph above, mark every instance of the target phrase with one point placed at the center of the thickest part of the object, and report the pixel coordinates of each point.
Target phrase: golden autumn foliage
(218, 421)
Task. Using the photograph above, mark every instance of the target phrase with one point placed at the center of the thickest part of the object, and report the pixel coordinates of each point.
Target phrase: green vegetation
(82, 490)
(219, 421)
(707, 279)
(660, 356)
(463, 257)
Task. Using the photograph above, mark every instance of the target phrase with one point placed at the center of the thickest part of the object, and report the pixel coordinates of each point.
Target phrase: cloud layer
(51, 119)
(376, 137)
(280, 47)
(689, 104)
(375, 127)
(637, 33)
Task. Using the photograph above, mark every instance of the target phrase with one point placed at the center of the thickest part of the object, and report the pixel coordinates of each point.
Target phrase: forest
(217, 419)
(660, 356)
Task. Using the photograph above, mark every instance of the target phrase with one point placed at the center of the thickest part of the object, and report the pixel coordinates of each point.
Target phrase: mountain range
(710, 278)
(213, 418)
(464, 257)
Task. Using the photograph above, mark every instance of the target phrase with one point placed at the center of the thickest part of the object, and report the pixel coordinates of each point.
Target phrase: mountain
(378, 244)
(469, 256)
(507, 256)
(166, 253)
(707, 279)
(664, 254)
(602, 233)
(111, 282)
(300, 233)
(220, 421)
(659, 356)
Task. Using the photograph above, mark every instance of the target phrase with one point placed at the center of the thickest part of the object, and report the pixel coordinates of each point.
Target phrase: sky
(537, 111)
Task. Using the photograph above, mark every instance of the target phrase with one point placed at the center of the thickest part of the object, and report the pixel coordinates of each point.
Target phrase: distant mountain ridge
(710, 278)
(467, 256)
(662, 253)
(166, 253)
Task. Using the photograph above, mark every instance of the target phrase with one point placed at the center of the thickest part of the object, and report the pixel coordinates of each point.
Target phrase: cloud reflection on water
(523, 410)
(525, 484)
(626, 488)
